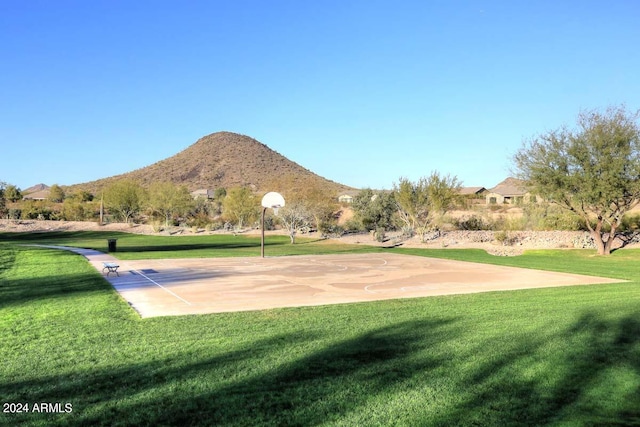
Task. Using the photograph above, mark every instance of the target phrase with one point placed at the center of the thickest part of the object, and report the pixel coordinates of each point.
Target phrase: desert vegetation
(585, 178)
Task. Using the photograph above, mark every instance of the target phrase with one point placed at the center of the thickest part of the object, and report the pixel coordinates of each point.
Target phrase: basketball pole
(262, 227)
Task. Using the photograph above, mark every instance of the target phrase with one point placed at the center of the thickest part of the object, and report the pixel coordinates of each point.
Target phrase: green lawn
(559, 356)
(137, 246)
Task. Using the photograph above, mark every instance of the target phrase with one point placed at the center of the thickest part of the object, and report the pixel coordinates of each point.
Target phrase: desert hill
(35, 188)
(222, 159)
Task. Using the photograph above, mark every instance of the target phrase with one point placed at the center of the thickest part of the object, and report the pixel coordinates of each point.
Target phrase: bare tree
(295, 216)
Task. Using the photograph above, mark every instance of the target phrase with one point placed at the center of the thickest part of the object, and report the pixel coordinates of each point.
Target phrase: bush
(472, 222)
(551, 217)
(329, 229)
(14, 213)
(408, 232)
(354, 225)
(269, 222)
(630, 223)
(503, 237)
(199, 220)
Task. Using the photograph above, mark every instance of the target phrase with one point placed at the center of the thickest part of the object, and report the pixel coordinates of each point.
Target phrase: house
(472, 192)
(509, 191)
(347, 196)
(37, 195)
(202, 193)
(474, 195)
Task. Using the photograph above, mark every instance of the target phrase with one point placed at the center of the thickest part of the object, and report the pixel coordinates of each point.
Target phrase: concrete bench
(110, 267)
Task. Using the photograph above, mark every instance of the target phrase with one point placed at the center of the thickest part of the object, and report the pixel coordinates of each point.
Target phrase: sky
(359, 92)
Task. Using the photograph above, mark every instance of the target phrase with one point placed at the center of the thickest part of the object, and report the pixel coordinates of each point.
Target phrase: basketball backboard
(272, 200)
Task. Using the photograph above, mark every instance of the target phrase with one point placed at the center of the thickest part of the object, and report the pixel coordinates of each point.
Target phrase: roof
(471, 190)
(510, 187)
(351, 193)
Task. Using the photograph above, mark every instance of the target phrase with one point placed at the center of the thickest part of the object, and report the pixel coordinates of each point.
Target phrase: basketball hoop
(275, 210)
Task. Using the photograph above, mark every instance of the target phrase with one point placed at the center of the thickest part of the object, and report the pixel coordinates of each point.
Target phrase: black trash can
(112, 244)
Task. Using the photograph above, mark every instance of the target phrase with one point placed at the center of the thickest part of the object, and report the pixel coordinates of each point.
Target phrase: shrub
(14, 213)
(630, 223)
(380, 234)
(472, 222)
(502, 237)
(354, 225)
(329, 229)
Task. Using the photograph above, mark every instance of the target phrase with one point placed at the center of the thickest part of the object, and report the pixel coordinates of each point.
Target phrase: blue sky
(360, 92)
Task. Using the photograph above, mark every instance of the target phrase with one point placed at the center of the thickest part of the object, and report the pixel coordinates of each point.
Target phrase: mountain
(35, 188)
(222, 159)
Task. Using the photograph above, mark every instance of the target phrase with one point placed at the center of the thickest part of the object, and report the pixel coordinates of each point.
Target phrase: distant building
(37, 195)
(202, 193)
(347, 196)
(509, 191)
(472, 191)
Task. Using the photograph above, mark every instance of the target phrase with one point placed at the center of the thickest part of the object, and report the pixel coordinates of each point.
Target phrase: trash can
(112, 244)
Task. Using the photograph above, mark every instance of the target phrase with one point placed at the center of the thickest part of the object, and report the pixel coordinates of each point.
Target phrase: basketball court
(215, 285)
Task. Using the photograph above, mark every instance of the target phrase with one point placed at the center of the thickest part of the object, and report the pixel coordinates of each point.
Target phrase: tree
(295, 216)
(81, 196)
(3, 200)
(374, 209)
(240, 206)
(319, 202)
(56, 194)
(168, 200)
(419, 204)
(126, 197)
(592, 170)
(12, 193)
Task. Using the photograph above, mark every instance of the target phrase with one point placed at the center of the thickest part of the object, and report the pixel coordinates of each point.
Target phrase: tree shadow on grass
(45, 278)
(595, 381)
(318, 388)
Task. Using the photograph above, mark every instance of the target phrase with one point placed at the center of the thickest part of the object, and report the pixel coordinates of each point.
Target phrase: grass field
(557, 356)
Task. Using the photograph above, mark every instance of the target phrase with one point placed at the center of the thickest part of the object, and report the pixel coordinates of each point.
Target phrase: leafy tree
(73, 209)
(82, 196)
(126, 197)
(56, 194)
(419, 204)
(374, 209)
(12, 193)
(295, 216)
(3, 200)
(168, 200)
(241, 206)
(218, 197)
(592, 170)
(219, 193)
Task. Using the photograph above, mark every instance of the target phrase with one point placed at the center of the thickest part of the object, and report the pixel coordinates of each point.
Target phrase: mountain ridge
(221, 159)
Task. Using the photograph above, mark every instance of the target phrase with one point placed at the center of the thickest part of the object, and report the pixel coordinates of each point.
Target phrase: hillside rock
(222, 159)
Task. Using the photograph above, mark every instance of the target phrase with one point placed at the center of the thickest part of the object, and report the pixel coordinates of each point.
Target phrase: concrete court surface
(215, 285)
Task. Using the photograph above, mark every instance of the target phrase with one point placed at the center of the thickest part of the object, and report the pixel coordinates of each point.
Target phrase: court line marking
(162, 287)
